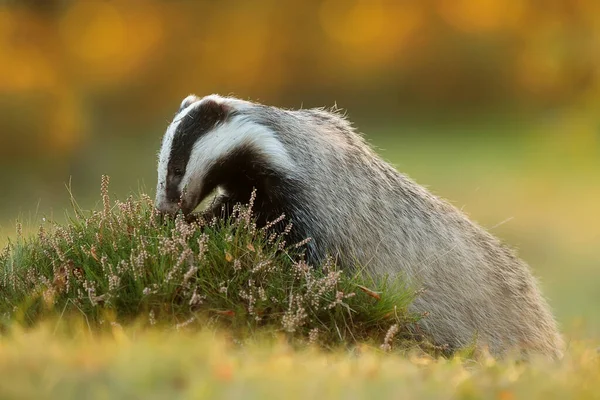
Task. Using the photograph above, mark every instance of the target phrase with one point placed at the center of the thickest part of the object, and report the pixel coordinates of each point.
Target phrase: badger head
(215, 142)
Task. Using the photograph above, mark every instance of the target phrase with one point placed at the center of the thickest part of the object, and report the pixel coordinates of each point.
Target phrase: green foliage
(126, 263)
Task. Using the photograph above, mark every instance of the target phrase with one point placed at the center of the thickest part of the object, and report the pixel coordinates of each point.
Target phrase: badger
(314, 167)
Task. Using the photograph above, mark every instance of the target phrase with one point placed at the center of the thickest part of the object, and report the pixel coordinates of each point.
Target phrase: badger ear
(212, 108)
(192, 98)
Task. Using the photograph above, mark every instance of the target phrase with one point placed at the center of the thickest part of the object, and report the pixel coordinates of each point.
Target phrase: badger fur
(312, 166)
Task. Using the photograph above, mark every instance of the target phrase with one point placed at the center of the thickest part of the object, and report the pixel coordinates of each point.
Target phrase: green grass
(119, 303)
(127, 264)
(130, 362)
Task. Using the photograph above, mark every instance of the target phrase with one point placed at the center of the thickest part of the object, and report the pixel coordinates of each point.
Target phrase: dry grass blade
(369, 292)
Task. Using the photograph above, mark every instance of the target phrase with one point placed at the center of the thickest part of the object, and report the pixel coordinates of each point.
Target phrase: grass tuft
(125, 263)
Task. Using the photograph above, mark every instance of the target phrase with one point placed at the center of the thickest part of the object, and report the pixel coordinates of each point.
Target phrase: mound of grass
(125, 263)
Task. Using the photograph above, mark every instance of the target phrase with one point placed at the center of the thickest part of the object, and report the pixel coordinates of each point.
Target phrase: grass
(126, 264)
(129, 362)
(118, 303)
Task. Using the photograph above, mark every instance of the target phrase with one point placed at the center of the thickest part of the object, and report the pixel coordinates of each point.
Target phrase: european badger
(312, 166)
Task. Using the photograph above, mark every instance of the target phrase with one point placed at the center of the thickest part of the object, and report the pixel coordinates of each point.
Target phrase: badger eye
(178, 172)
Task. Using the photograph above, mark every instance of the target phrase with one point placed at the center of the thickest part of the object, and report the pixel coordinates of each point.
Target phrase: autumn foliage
(67, 65)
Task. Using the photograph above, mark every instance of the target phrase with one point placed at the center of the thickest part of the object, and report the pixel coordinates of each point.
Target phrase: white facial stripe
(233, 134)
(230, 101)
(165, 153)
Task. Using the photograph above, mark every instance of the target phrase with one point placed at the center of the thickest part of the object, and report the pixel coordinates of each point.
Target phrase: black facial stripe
(277, 193)
(244, 169)
(173, 193)
(193, 126)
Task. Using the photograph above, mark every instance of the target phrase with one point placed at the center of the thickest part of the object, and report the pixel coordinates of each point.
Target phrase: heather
(124, 263)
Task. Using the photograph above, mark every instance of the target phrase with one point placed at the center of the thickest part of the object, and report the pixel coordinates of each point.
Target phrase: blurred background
(492, 104)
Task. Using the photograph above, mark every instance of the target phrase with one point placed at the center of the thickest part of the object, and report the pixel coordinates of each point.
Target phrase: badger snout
(167, 208)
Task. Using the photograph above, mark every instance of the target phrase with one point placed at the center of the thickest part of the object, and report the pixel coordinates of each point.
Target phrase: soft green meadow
(54, 361)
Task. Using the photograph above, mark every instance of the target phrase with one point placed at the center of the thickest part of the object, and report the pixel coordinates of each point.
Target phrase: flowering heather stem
(105, 195)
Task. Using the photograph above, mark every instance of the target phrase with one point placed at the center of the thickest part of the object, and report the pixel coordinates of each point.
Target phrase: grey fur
(358, 207)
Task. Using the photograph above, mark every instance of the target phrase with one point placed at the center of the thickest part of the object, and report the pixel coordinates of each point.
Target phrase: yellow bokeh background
(448, 54)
